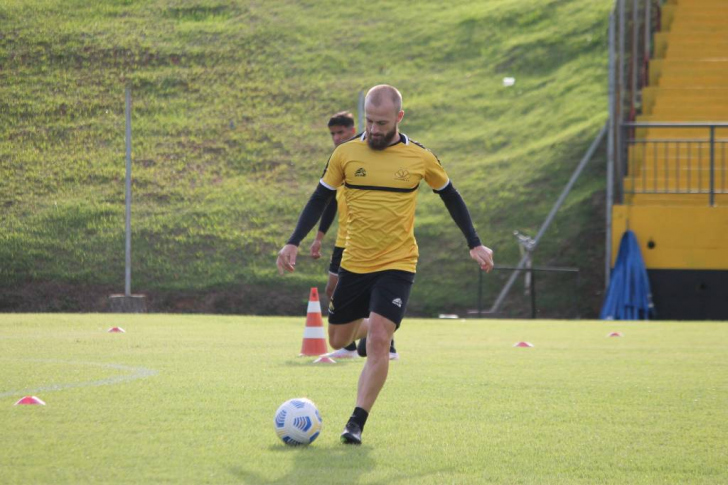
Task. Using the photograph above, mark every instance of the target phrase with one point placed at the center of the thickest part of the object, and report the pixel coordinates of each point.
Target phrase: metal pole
(610, 155)
(576, 293)
(480, 293)
(533, 294)
(648, 34)
(549, 219)
(635, 54)
(360, 111)
(712, 166)
(620, 90)
(127, 279)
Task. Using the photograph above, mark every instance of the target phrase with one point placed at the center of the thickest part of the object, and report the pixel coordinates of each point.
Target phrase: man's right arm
(308, 218)
(326, 220)
(328, 217)
(320, 198)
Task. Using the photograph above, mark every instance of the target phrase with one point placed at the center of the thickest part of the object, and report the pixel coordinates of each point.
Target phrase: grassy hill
(231, 100)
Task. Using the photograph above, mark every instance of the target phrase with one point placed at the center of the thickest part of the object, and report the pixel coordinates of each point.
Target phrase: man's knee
(379, 336)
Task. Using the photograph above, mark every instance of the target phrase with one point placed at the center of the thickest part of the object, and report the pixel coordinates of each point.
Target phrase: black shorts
(336, 260)
(358, 294)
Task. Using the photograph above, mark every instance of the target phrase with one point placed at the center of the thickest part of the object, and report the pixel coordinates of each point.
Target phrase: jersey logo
(402, 174)
(360, 173)
(398, 302)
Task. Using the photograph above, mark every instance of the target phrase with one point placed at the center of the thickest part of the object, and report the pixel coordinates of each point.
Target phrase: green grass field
(190, 399)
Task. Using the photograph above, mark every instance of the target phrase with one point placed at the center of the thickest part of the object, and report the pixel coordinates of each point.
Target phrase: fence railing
(675, 158)
(531, 287)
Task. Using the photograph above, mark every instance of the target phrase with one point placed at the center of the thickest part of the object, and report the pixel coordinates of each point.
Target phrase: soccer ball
(298, 422)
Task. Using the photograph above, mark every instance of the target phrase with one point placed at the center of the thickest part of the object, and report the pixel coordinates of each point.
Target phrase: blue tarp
(628, 296)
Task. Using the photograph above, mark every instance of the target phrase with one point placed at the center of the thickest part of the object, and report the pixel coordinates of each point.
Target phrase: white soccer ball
(298, 422)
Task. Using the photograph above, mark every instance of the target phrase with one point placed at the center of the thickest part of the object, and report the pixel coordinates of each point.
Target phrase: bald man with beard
(381, 171)
(341, 126)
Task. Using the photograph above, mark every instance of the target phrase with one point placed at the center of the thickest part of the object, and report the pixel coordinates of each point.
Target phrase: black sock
(359, 416)
(351, 346)
(391, 347)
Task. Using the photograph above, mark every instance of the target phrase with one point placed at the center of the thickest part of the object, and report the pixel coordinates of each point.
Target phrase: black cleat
(351, 434)
(393, 354)
(361, 349)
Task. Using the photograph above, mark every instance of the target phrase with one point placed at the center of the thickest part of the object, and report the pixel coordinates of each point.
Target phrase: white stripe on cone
(314, 332)
(314, 307)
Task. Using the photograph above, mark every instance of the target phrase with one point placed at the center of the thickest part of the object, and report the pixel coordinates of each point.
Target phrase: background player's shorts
(336, 260)
(358, 294)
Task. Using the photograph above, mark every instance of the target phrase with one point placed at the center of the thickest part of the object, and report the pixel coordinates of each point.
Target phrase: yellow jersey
(380, 192)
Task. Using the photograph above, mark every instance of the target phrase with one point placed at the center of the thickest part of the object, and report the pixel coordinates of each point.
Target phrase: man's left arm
(460, 214)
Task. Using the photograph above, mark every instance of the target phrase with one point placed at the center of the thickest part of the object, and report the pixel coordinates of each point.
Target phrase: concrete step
(663, 134)
(687, 153)
(694, 82)
(652, 98)
(686, 119)
(695, 53)
(671, 35)
(675, 199)
(696, 29)
(687, 68)
(693, 3)
(716, 110)
(713, 15)
(686, 177)
(683, 68)
(663, 39)
(702, 94)
(677, 112)
(692, 185)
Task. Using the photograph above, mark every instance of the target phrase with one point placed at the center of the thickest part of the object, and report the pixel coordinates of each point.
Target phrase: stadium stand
(676, 182)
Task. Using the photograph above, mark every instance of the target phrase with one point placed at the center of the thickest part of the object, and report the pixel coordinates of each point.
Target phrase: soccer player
(341, 126)
(381, 170)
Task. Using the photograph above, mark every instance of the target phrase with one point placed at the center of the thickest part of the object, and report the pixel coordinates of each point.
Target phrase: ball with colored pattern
(298, 422)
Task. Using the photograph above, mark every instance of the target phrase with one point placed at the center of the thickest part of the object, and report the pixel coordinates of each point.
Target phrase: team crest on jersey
(402, 174)
(360, 173)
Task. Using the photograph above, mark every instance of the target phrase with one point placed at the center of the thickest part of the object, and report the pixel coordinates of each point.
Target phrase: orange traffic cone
(314, 340)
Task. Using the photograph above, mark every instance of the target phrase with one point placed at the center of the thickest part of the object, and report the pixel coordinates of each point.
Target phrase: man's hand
(316, 246)
(483, 256)
(287, 258)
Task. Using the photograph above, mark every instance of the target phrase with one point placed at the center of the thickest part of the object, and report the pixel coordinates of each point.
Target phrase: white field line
(136, 373)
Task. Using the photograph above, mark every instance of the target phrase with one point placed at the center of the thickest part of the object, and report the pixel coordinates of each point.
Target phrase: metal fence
(530, 289)
(674, 164)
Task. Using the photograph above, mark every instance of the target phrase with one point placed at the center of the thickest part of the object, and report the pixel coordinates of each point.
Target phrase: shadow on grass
(311, 464)
(341, 464)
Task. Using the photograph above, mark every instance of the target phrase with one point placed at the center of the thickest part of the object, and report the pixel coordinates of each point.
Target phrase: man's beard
(381, 142)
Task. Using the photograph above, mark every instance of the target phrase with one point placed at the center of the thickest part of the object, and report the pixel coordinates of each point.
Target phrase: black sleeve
(328, 217)
(459, 213)
(311, 213)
